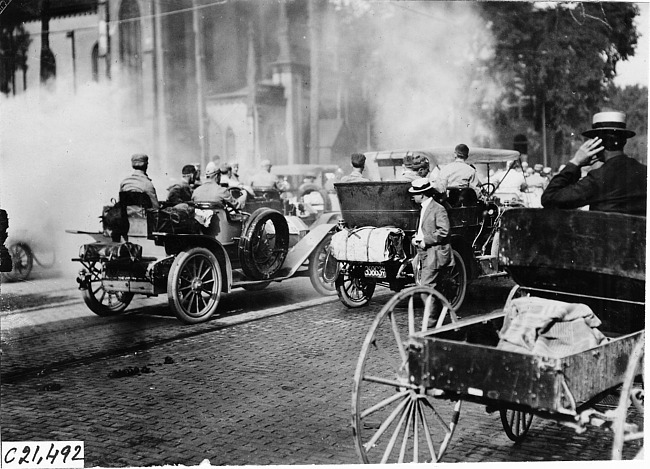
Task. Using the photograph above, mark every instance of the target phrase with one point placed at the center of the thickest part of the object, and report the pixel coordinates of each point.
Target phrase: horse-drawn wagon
(570, 334)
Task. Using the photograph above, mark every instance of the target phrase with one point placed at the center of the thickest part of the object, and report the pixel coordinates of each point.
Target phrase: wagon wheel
(516, 423)
(632, 393)
(394, 420)
(453, 284)
(100, 301)
(323, 268)
(264, 244)
(354, 291)
(22, 259)
(194, 285)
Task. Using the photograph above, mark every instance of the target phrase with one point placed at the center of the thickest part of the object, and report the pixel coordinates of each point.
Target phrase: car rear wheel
(194, 285)
(453, 284)
(354, 292)
(100, 301)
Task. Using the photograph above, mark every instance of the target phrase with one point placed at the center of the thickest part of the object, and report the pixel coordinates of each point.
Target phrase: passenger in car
(212, 191)
(458, 173)
(415, 167)
(619, 185)
(358, 162)
(182, 192)
(432, 237)
(139, 181)
(264, 178)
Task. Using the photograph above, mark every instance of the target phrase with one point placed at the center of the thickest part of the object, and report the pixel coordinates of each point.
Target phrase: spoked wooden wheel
(194, 285)
(453, 285)
(354, 291)
(23, 262)
(394, 420)
(100, 301)
(628, 429)
(516, 423)
(323, 268)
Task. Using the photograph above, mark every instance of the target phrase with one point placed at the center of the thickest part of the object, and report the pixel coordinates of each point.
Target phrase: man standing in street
(432, 237)
(139, 181)
(619, 185)
(358, 161)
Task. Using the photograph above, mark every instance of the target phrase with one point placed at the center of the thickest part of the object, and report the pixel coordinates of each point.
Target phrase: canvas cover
(368, 244)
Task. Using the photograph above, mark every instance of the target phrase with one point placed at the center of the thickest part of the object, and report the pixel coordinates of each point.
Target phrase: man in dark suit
(619, 185)
(432, 238)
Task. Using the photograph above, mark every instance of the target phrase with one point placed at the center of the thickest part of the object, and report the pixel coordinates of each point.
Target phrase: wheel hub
(196, 284)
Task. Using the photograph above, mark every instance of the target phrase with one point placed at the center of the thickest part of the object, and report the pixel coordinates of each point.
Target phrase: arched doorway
(131, 53)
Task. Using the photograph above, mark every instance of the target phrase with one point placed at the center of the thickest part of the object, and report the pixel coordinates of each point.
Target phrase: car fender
(300, 252)
(175, 243)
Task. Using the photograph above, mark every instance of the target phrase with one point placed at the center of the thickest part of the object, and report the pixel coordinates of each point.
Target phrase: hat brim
(418, 191)
(591, 133)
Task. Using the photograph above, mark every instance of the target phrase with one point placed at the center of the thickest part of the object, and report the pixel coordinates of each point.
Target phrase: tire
(309, 188)
(22, 259)
(354, 292)
(453, 284)
(100, 301)
(323, 268)
(388, 410)
(516, 423)
(264, 244)
(194, 285)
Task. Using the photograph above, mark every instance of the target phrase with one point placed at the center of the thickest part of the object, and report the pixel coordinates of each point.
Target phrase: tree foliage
(563, 57)
(633, 100)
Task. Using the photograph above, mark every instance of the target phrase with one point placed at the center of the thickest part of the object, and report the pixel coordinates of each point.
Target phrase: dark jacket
(619, 185)
(179, 193)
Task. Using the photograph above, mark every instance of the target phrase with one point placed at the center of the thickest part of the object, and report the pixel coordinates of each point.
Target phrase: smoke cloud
(63, 156)
(429, 79)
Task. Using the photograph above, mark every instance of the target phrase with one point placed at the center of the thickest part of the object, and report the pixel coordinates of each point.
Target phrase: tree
(562, 58)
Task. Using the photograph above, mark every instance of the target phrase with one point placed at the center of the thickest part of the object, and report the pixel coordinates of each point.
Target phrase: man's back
(456, 174)
(140, 182)
(211, 192)
(619, 185)
(264, 179)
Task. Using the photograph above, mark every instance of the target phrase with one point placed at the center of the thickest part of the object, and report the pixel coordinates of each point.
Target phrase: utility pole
(70, 34)
(314, 92)
(159, 120)
(200, 94)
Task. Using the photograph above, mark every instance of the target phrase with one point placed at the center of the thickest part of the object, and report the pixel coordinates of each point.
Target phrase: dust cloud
(62, 157)
(428, 74)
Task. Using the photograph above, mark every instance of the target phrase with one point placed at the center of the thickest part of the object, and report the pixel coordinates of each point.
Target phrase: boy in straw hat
(619, 185)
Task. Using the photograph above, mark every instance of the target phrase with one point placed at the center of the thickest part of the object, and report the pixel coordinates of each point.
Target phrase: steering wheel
(488, 189)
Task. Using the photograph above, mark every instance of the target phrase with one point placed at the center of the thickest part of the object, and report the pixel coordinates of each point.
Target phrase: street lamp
(70, 34)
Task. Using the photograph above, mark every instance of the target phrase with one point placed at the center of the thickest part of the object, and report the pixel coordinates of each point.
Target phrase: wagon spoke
(411, 317)
(398, 339)
(381, 404)
(427, 434)
(440, 420)
(385, 425)
(416, 447)
(396, 432)
(405, 438)
(428, 309)
(388, 382)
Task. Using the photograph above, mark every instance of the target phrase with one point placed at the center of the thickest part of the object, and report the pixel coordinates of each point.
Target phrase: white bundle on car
(368, 244)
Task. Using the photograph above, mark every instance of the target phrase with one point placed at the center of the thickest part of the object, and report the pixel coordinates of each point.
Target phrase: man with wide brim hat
(432, 237)
(619, 185)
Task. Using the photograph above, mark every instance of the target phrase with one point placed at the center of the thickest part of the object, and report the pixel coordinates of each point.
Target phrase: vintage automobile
(385, 204)
(194, 265)
(313, 203)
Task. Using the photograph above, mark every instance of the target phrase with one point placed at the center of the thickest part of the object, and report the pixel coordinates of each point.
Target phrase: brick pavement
(273, 391)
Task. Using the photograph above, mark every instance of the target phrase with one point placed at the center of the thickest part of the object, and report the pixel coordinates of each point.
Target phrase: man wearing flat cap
(458, 173)
(139, 181)
(619, 185)
(432, 237)
(358, 162)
